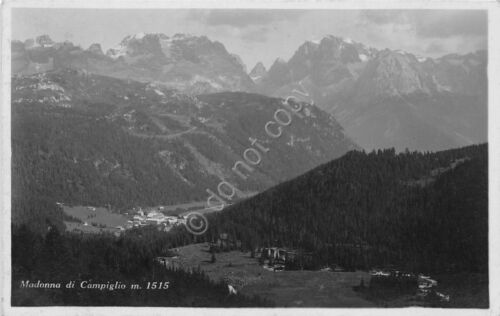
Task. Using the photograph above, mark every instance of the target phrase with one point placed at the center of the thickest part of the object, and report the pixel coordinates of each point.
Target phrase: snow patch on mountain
(139, 35)
(117, 52)
(421, 59)
(439, 86)
(202, 79)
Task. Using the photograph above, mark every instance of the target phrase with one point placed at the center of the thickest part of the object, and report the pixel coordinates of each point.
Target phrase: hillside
(422, 212)
(103, 260)
(94, 140)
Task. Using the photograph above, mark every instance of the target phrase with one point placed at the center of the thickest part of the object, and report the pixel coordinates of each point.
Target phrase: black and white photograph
(291, 157)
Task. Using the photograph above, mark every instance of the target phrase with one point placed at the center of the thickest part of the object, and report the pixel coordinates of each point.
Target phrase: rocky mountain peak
(258, 73)
(394, 73)
(258, 70)
(389, 98)
(143, 37)
(238, 61)
(192, 64)
(95, 49)
(279, 67)
(44, 41)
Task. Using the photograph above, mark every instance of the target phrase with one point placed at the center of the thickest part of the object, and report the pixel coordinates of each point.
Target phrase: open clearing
(93, 216)
(99, 215)
(286, 288)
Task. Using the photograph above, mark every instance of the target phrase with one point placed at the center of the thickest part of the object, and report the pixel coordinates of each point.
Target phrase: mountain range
(388, 98)
(188, 63)
(193, 106)
(383, 98)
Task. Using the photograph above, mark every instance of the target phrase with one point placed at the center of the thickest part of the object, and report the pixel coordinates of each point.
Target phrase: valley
(151, 148)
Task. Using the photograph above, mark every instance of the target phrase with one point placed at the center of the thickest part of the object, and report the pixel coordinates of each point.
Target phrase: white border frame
(491, 6)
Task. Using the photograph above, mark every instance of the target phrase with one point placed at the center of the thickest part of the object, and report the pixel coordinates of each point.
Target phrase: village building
(169, 262)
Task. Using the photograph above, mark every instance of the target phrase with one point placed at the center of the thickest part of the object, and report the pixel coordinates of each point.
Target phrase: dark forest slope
(421, 211)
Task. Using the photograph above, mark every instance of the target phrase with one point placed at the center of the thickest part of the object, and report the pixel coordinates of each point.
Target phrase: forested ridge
(94, 140)
(61, 257)
(419, 211)
(77, 157)
(423, 211)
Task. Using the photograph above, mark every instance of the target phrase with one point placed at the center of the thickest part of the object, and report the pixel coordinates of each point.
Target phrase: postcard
(256, 157)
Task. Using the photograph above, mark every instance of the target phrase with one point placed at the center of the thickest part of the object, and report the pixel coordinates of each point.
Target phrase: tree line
(60, 257)
(419, 211)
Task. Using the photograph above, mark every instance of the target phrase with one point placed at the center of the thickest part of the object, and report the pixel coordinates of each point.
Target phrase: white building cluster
(156, 218)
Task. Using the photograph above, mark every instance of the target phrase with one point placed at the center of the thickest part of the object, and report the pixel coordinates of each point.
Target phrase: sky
(264, 35)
